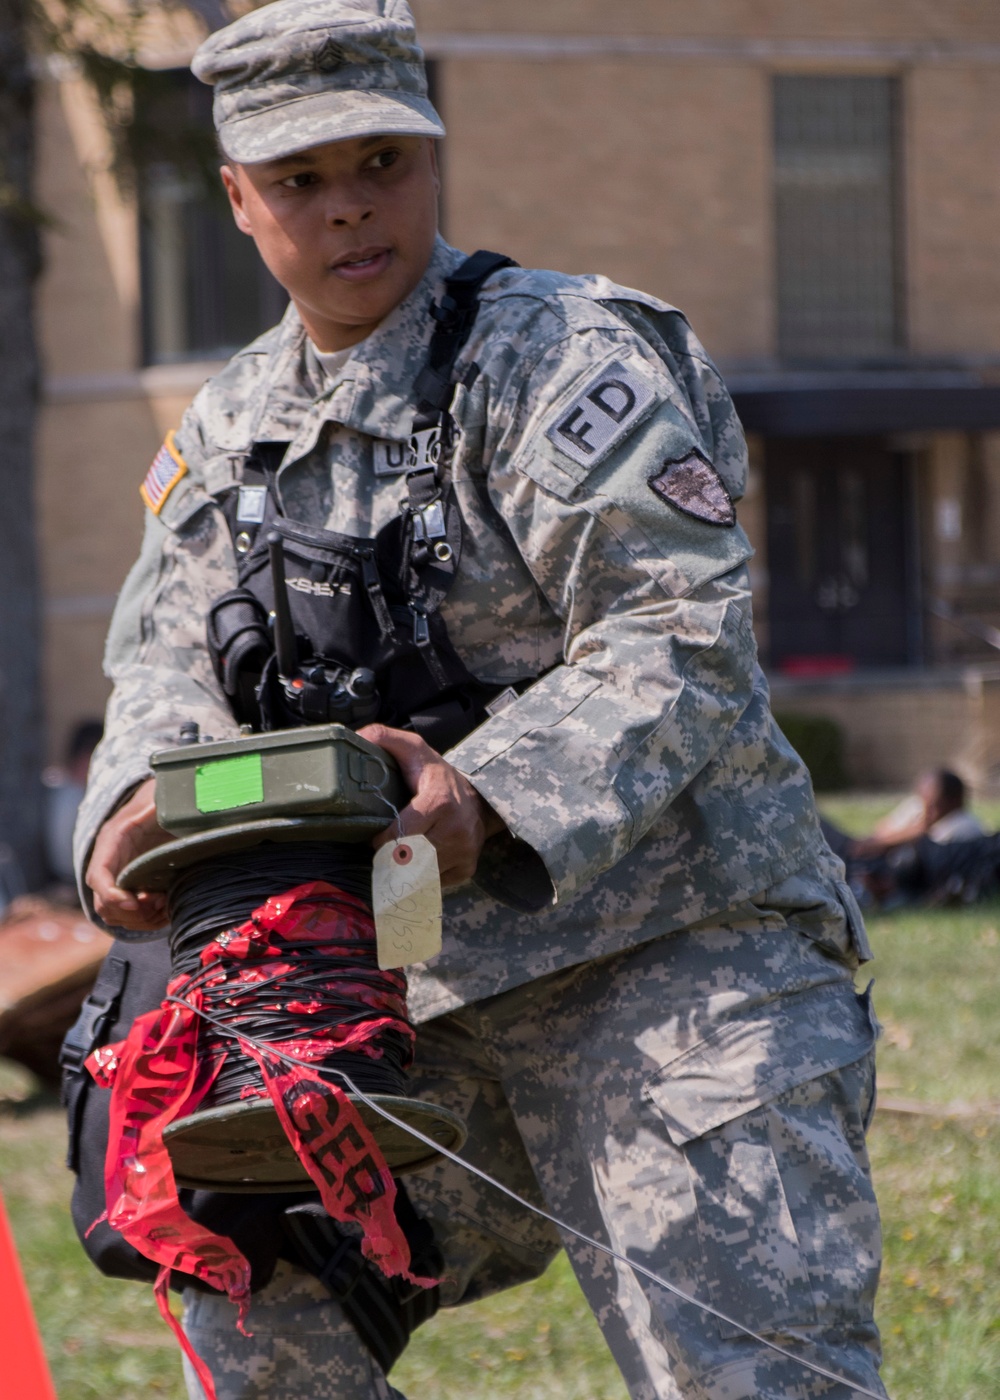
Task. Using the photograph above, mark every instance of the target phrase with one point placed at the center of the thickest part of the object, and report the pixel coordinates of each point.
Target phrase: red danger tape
(157, 1076)
(338, 1151)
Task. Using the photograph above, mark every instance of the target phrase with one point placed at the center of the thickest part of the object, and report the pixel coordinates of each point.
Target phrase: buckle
(85, 1032)
(444, 310)
(421, 627)
(428, 522)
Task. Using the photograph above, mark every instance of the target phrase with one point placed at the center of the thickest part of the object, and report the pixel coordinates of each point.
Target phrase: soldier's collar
(373, 393)
(388, 362)
(291, 385)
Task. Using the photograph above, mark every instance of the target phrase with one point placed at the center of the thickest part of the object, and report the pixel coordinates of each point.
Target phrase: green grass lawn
(937, 985)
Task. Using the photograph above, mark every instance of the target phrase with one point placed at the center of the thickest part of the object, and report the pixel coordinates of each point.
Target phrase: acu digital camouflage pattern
(737, 1062)
(642, 775)
(298, 73)
(301, 1345)
(685, 1081)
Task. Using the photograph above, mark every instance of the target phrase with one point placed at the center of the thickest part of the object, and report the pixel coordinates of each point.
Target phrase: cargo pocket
(714, 1102)
(855, 922)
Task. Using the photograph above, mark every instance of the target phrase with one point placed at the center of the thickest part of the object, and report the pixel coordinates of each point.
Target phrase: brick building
(815, 184)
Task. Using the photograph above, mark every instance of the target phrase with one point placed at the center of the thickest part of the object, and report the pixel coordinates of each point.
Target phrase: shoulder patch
(603, 412)
(166, 471)
(693, 486)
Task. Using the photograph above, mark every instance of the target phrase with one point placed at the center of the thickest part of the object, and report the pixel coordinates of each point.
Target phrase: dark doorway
(840, 557)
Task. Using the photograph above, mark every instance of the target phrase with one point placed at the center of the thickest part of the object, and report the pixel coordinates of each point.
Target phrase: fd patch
(694, 486)
(168, 468)
(604, 412)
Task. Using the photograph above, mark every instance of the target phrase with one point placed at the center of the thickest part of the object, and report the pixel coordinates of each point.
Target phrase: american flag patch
(167, 469)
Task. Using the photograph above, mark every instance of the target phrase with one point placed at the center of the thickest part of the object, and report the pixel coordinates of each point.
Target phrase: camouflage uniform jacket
(642, 775)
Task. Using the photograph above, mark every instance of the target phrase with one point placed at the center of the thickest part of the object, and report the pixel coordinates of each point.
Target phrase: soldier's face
(346, 228)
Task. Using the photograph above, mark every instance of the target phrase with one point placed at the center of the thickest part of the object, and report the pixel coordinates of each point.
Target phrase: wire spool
(252, 819)
(306, 992)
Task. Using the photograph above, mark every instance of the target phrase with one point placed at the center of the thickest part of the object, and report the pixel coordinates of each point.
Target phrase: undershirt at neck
(333, 361)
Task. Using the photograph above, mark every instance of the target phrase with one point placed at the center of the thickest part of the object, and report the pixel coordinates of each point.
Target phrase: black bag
(133, 979)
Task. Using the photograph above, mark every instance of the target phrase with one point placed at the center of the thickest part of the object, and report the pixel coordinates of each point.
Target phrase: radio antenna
(284, 633)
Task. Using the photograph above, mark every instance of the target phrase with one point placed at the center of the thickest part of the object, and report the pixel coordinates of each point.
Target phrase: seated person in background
(930, 849)
(935, 809)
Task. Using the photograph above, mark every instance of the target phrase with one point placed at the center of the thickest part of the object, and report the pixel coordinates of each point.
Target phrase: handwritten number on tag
(406, 898)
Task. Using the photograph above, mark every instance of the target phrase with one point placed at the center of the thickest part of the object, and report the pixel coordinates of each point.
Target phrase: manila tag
(406, 900)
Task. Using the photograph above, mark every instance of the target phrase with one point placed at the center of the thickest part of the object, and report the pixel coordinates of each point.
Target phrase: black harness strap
(90, 1029)
(373, 587)
(401, 576)
(247, 506)
(432, 540)
(384, 1312)
(455, 315)
(96, 1015)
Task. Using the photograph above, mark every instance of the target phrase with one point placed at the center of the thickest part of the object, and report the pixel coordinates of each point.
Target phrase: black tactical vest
(328, 627)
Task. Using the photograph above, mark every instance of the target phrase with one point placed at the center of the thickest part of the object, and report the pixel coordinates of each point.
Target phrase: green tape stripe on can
(229, 782)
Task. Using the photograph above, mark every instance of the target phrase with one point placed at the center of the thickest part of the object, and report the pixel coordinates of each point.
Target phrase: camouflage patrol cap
(297, 73)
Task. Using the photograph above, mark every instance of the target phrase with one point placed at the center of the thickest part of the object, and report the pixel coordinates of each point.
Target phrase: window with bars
(205, 290)
(836, 171)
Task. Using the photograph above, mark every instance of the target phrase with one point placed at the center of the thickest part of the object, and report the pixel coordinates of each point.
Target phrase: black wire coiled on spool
(221, 894)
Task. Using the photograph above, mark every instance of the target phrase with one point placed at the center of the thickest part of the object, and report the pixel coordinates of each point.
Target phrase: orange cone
(25, 1370)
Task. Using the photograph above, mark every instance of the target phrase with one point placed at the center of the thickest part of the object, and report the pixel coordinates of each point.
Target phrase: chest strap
(255, 499)
(454, 316)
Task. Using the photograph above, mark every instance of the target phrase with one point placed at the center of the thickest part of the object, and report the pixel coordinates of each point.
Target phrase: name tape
(421, 450)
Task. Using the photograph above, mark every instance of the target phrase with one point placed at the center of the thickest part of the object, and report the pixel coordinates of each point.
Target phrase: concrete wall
(894, 730)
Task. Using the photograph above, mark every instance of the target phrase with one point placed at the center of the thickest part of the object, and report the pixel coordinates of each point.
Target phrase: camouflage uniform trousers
(699, 1103)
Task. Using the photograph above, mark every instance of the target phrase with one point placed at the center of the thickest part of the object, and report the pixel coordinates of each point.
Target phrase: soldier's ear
(230, 174)
(432, 146)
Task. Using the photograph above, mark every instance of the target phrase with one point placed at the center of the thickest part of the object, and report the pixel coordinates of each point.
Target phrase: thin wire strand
(552, 1219)
(370, 787)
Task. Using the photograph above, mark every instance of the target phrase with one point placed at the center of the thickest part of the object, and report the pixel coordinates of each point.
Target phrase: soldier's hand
(130, 832)
(445, 807)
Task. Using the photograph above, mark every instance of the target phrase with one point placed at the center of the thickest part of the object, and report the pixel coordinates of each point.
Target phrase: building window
(837, 228)
(205, 291)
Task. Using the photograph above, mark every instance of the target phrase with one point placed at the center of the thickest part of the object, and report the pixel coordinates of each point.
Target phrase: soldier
(645, 1007)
